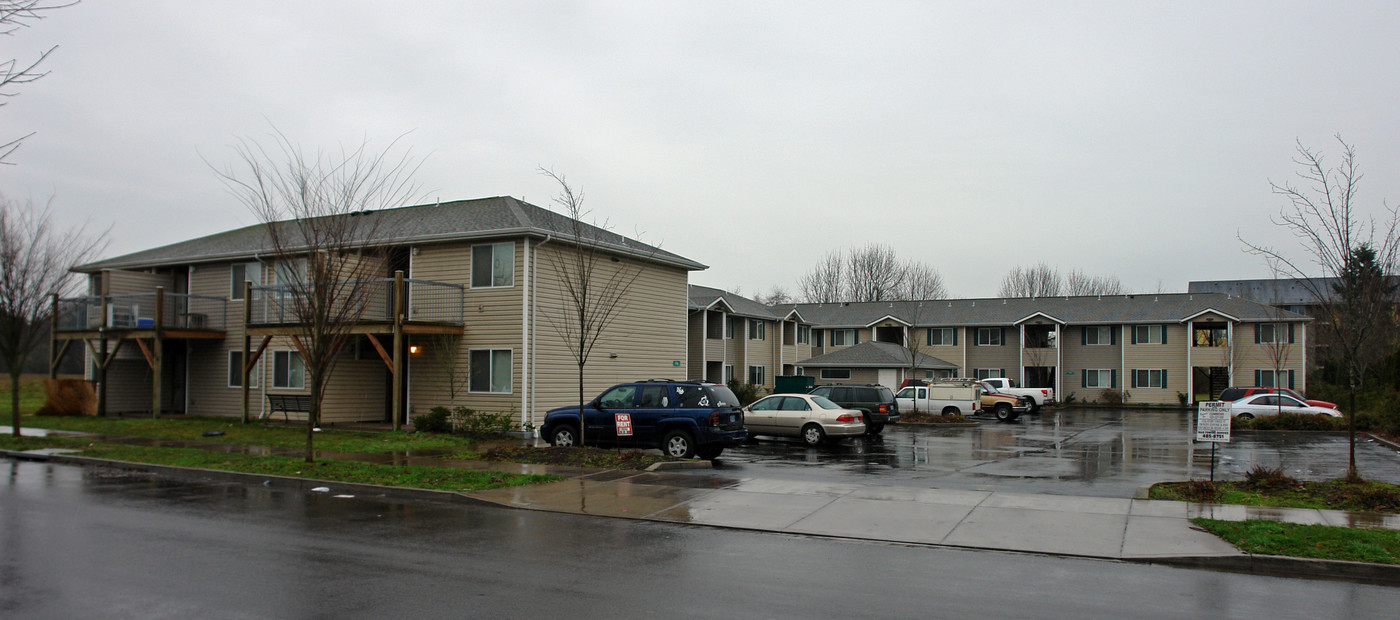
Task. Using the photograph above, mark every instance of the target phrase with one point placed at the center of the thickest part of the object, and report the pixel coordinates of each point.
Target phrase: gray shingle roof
(873, 354)
(448, 221)
(1108, 309)
(704, 296)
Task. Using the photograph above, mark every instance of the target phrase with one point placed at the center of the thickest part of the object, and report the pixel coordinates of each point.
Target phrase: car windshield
(825, 403)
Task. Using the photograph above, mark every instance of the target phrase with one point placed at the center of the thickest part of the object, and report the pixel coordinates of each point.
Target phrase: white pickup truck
(947, 397)
(1041, 396)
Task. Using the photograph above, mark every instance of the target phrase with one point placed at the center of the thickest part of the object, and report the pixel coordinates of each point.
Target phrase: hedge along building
(478, 310)
(1148, 349)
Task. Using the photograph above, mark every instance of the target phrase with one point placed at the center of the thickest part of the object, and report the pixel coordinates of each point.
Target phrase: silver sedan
(1273, 404)
(809, 418)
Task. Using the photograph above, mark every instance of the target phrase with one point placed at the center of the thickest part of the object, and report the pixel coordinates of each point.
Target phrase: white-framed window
(756, 375)
(290, 271)
(493, 265)
(758, 330)
(728, 373)
(1099, 378)
(729, 327)
(235, 371)
(1272, 333)
(942, 336)
(489, 370)
(1149, 378)
(989, 373)
(836, 373)
(1274, 378)
(288, 370)
(844, 337)
(1150, 334)
(244, 272)
(1098, 335)
(804, 334)
(989, 336)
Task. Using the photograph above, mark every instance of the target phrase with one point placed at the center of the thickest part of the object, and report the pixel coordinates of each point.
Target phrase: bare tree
(918, 281)
(824, 284)
(1080, 284)
(1358, 252)
(36, 260)
(774, 297)
(454, 367)
(873, 273)
(16, 14)
(595, 283)
(1041, 280)
(320, 213)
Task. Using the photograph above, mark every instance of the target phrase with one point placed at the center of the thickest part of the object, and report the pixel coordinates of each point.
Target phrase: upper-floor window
(989, 337)
(1102, 334)
(1212, 336)
(844, 337)
(758, 330)
(1273, 333)
(729, 327)
(804, 334)
(290, 271)
(817, 337)
(493, 264)
(942, 336)
(244, 272)
(1150, 334)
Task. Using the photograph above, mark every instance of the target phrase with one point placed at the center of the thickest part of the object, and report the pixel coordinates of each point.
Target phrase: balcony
(429, 307)
(177, 315)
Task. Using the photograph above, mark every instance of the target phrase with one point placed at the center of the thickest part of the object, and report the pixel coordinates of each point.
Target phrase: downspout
(534, 312)
(1123, 362)
(525, 330)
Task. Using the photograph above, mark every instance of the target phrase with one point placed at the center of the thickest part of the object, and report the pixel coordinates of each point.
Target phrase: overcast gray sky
(1125, 138)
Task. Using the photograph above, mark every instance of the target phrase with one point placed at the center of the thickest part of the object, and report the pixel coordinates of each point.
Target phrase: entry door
(888, 377)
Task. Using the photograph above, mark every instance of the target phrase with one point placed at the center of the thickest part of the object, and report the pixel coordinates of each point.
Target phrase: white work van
(947, 397)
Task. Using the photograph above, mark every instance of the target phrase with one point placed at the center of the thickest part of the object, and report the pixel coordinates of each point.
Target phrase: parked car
(810, 418)
(1040, 397)
(875, 402)
(1006, 407)
(1269, 403)
(946, 396)
(681, 418)
(1236, 393)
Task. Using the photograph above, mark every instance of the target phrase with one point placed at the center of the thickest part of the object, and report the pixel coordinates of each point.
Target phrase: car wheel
(874, 429)
(1245, 416)
(951, 410)
(1004, 412)
(564, 436)
(813, 435)
(1035, 407)
(709, 454)
(678, 445)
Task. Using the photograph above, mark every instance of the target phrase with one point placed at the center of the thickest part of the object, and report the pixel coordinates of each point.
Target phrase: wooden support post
(245, 364)
(158, 343)
(396, 410)
(53, 338)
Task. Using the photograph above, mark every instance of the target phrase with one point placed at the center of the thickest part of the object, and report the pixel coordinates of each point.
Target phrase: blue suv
(682, 418)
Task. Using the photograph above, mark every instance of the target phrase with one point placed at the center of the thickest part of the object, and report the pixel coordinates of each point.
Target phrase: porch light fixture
(413, 349)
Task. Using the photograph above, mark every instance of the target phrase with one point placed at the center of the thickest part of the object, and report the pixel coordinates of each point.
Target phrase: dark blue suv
(682, 418)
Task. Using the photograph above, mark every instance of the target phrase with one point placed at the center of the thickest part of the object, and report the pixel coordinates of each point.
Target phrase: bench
(300, 403)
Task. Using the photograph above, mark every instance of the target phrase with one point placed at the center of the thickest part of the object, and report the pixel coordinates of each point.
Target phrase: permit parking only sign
(624, 424)
(1213, 421)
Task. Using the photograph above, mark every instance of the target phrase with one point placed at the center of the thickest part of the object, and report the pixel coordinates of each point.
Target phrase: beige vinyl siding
(1006, 356)
(1079, 357)
(357, 390)
(647, 336)
(734, 348)
(492, 321)
(209, 393)
(859, 376)
(695, 345)
(1214, 356)
(129, 384)
(948, 353)
(1250, 357)
(1170, 357)
(714, 350)
(127, 282)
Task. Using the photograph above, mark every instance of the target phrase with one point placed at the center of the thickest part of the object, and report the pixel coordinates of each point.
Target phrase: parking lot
(1070, 451)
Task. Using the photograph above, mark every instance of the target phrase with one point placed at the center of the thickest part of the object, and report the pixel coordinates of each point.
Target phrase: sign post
(1213, 425)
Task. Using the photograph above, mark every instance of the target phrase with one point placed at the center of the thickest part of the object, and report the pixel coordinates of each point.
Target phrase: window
(244, 272)
(1212, 336)
(804, 334)
(235, 371)
(1100, 378)
(1150, 334)
(729, 327)
(493, 265)
(1149, 378)
(756, 375)
(290, 272)
(288, 370)
(942, 336)
(620, 397)
(728, 373)
(836, 373)
(1274, 378)
(818, 341)
(1100, 335)
(757, 329)
(844, 337)
(1273, 333)
(489, 370)
(989, 336)
(990, 373)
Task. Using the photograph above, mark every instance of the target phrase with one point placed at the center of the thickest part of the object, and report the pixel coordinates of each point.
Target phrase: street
(100, 543)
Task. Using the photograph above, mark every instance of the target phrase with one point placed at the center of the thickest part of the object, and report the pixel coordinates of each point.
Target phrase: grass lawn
(1329, 495)
(1308, 541)
(577, 457)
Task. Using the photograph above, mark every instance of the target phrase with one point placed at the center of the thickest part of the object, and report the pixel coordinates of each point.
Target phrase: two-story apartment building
(1151, 349)
(480, 325)
(732, 336)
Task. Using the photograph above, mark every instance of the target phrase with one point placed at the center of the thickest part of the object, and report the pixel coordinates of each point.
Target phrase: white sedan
(809, 418)
(1272, 404)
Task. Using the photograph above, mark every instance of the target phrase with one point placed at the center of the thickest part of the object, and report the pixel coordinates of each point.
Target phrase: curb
(1384, 441)
(1284, 566)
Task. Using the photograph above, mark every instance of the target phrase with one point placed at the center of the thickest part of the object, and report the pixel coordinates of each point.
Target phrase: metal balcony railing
(138, 311)
(436, 302)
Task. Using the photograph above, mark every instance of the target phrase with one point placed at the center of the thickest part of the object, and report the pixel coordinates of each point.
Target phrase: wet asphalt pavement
(1070, 451)
(81, 542)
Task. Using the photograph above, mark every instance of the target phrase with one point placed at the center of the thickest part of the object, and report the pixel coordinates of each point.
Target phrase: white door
(888, 378)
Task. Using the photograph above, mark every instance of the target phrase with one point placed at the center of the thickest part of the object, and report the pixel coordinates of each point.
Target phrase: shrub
(1375, 498)
(435, 421)
(1112, 397)
(1200, 491)
(472, 422)
(1269, 480)
(747, 392)
(68, 397)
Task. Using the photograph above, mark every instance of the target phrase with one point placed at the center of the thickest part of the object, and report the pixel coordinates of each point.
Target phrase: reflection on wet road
(1073, 451)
